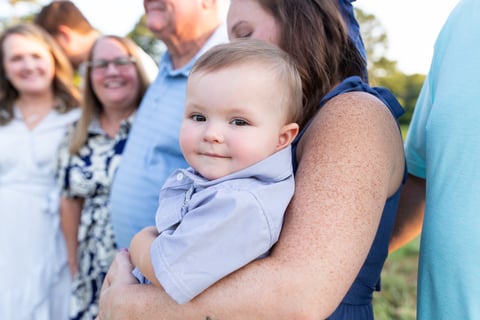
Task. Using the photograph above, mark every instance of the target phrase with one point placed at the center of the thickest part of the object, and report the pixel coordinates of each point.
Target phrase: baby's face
(233, 119)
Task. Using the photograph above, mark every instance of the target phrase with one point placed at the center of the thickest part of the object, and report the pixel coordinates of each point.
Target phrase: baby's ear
(287, 134)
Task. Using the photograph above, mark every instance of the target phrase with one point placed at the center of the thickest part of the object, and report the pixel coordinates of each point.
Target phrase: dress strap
(353, 84)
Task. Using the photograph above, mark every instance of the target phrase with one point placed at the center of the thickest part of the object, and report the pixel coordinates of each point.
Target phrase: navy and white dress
(88, 174)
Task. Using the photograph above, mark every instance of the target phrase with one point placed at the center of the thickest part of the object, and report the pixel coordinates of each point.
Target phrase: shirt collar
(275, 168)
(219, 36)
(95, 128)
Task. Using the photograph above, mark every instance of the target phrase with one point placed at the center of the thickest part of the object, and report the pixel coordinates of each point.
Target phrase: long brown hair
(92, 106)
(314, 33)
(64, 90)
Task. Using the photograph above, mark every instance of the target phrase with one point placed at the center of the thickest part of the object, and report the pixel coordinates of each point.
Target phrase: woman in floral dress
(115, 82)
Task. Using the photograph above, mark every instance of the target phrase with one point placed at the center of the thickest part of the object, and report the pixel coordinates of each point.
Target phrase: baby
(242, 101)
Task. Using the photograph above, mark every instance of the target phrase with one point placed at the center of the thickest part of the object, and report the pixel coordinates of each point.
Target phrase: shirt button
(179, 176)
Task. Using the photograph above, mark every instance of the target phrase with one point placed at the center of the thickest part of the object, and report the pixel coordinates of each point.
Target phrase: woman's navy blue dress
(357, 304)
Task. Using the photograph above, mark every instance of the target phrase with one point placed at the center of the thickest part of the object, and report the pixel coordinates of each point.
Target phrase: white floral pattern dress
(89, 174)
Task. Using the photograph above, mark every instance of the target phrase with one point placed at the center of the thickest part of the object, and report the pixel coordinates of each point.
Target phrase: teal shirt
(443, 147)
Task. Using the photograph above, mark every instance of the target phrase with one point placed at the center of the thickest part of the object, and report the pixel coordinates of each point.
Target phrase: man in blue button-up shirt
(152, 151)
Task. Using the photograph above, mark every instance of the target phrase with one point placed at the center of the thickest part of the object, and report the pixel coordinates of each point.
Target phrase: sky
(411, 25)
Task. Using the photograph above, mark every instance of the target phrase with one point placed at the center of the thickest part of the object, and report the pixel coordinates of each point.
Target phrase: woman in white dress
(38, 103)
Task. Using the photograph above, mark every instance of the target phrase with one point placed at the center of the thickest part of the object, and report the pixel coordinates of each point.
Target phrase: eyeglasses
(120, 63)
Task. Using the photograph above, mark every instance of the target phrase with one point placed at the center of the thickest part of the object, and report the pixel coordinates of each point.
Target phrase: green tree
(383, 71)
(15, 2)
(376, 45)
(146, 39)
(8, 20)
(410, 95)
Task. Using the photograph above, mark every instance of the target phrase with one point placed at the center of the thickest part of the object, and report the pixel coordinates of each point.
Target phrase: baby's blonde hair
(265, 57)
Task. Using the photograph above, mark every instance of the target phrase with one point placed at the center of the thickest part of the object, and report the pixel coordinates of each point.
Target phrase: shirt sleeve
(415, 143)
(226, 231)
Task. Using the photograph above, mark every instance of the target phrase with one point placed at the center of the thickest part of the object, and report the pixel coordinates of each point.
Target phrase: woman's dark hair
(314, 33)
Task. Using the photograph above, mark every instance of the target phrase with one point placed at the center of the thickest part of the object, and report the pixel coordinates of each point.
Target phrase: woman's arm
(409, 221)
(70, 214)
(350, 161)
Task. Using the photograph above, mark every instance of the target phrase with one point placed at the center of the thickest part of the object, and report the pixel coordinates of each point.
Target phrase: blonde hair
(64, 90)
(266, 57)
(92, 106)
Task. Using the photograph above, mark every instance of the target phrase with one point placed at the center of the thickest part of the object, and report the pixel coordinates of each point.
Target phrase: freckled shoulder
(355, 126)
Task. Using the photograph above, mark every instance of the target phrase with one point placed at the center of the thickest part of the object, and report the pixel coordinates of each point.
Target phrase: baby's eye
(239, 122)
(198, 117)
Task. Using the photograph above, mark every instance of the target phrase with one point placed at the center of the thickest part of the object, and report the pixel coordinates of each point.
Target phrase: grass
(397, 299)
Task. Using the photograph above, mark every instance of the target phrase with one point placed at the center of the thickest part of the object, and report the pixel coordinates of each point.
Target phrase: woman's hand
(119, 275)
(72, 266)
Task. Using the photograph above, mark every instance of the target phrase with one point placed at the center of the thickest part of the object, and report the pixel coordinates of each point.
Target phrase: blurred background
(399, 38)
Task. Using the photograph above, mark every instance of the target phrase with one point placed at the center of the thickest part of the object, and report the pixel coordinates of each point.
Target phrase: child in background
(243, 101)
